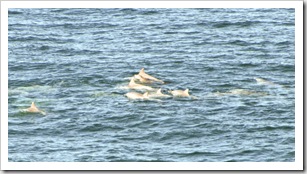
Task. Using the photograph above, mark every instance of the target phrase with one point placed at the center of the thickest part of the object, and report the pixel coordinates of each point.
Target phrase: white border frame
(297, 165)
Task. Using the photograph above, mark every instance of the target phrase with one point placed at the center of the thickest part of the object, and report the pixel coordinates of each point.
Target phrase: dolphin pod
(150, 93)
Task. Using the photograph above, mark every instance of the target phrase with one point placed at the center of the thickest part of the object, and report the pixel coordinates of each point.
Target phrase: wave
(12, 12)
(271, 128)
(100, 127)
(225, 24)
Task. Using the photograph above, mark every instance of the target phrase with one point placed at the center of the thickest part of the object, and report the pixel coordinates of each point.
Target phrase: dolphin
(180, 93)
(135, 95)
(33, 109)
(264, 82)
(146, 76)
(133, 85)
(245, 92)
(241, 92)
(158, 94)
(142, 79)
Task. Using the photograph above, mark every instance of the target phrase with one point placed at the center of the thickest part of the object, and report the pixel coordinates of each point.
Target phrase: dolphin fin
(131, 82)
(142, 71)
(34, 109)
(145, 94)
(33, 106)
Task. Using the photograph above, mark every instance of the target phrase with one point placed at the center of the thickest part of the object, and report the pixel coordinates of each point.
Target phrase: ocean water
(75, 63)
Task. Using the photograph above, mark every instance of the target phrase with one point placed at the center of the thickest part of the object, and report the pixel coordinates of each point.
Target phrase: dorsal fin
(145, 94)
(186, 91)
(131, 82)
(142, 71)
(33, 105)
(33, 108)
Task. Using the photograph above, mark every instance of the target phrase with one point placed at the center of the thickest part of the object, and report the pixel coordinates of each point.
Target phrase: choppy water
(73, 63)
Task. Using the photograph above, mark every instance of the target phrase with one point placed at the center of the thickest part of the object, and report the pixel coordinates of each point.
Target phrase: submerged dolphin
(149, 77)
(133, 85)
(158, 94)
(33, 109)
(264, 82)
(135, 95)
(180, 93)
(241, 92)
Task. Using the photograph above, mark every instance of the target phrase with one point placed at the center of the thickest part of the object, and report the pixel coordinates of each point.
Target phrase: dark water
(74, 62)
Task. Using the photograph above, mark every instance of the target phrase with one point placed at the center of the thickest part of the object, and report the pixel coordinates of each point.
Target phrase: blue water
(75, 63)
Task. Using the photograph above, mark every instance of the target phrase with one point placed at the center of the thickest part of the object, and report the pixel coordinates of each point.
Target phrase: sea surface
(75, 64)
